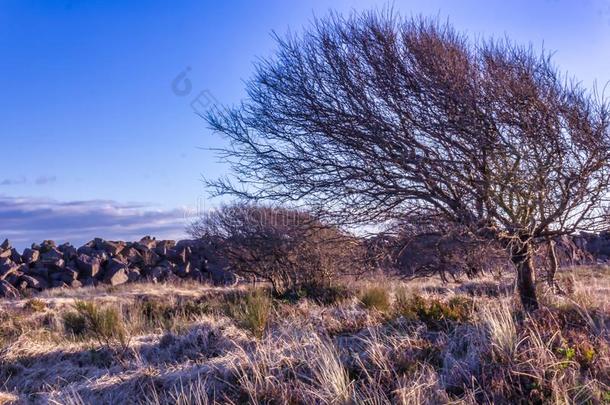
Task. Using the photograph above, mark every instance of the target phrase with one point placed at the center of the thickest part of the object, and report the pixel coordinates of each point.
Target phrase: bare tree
(287, 248)
(371, 117)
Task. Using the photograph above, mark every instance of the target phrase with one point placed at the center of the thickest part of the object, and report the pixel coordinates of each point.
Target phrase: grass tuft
(376, 298)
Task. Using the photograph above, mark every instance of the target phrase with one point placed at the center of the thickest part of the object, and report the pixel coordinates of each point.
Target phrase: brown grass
(417, 342)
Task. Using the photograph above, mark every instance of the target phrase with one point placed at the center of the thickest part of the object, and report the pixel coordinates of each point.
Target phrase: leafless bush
(287, 248)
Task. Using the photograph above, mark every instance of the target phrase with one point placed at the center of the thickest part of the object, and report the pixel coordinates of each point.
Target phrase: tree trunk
(553, 263)
(523, 259)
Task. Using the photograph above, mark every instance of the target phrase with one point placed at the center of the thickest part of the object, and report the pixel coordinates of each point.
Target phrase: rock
(15, 256)
(69, 251)
(197, 275)
(87, 249)
(66, 276)
(150, 258)
(39, 270)
(116, 277)
(8, 291)
(133, 275)
(88, 282)
(30, 256)
(112, 248)
(58, 284)
(47, 245)
(34, 282)
(116, 272)
(158, 274)
(52, 257)
(100, 255)
(179, 256)
(220, 275)
(132, 256)
(163, 246)
(148, 242)
(88, 266)
(7, 267)
(114, 264)
(183, 270)
(6, 245)
(75, 284)
(5, 254)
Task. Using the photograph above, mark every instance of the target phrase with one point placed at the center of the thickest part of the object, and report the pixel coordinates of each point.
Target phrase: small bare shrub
(35, 305)
(286, 248)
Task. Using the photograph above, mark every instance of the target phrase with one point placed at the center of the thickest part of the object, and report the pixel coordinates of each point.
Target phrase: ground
(380, 341)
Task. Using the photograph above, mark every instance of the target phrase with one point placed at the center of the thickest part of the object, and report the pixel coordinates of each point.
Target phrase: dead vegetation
(396, 342)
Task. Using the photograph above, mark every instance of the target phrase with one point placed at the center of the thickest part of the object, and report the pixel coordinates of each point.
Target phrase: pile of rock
(99, 261)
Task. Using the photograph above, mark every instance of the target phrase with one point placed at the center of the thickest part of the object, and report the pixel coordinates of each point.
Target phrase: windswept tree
(373, 117)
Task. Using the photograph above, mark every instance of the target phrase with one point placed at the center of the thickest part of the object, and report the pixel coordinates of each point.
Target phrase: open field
(376, 342)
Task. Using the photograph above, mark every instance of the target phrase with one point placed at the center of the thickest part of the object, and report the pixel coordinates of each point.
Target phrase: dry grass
(418, 342)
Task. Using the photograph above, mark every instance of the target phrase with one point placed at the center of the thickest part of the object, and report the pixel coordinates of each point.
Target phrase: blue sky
(95, 140)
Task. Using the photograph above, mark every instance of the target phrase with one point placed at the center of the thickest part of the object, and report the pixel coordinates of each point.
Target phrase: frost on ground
(413, 342)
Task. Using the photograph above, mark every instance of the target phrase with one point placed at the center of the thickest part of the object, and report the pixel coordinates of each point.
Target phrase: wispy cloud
(42, 180)
(13, 182)
(39, 181)
(28, 220)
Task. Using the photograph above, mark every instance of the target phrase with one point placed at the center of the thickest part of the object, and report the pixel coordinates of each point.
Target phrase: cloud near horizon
(27, 220)
(39, 181)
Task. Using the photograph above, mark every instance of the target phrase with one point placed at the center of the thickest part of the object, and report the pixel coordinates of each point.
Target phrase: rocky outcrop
(597, 244)
(106, 262)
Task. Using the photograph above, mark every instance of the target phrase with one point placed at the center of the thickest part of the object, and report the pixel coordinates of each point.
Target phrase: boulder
(15, 256)
(88, 266)
(100, 255)
(8, 291)
(133, 275)
(47, 245)
(158, 274)
(5, 254)
(69, 251)
(179, 255)
(66, 276)
(39, 270)
(132, 256)
(148, 242)
(34, 282)
(150, 258)
(116, 277)
(183, 270)
(88, 282)
(116, 272)
(163, 246)
(7, 267)
(197, 275)
(87, 249)
(30, 256)
(58, 284)
(6, 245)
(112, 248)
(52, 257)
